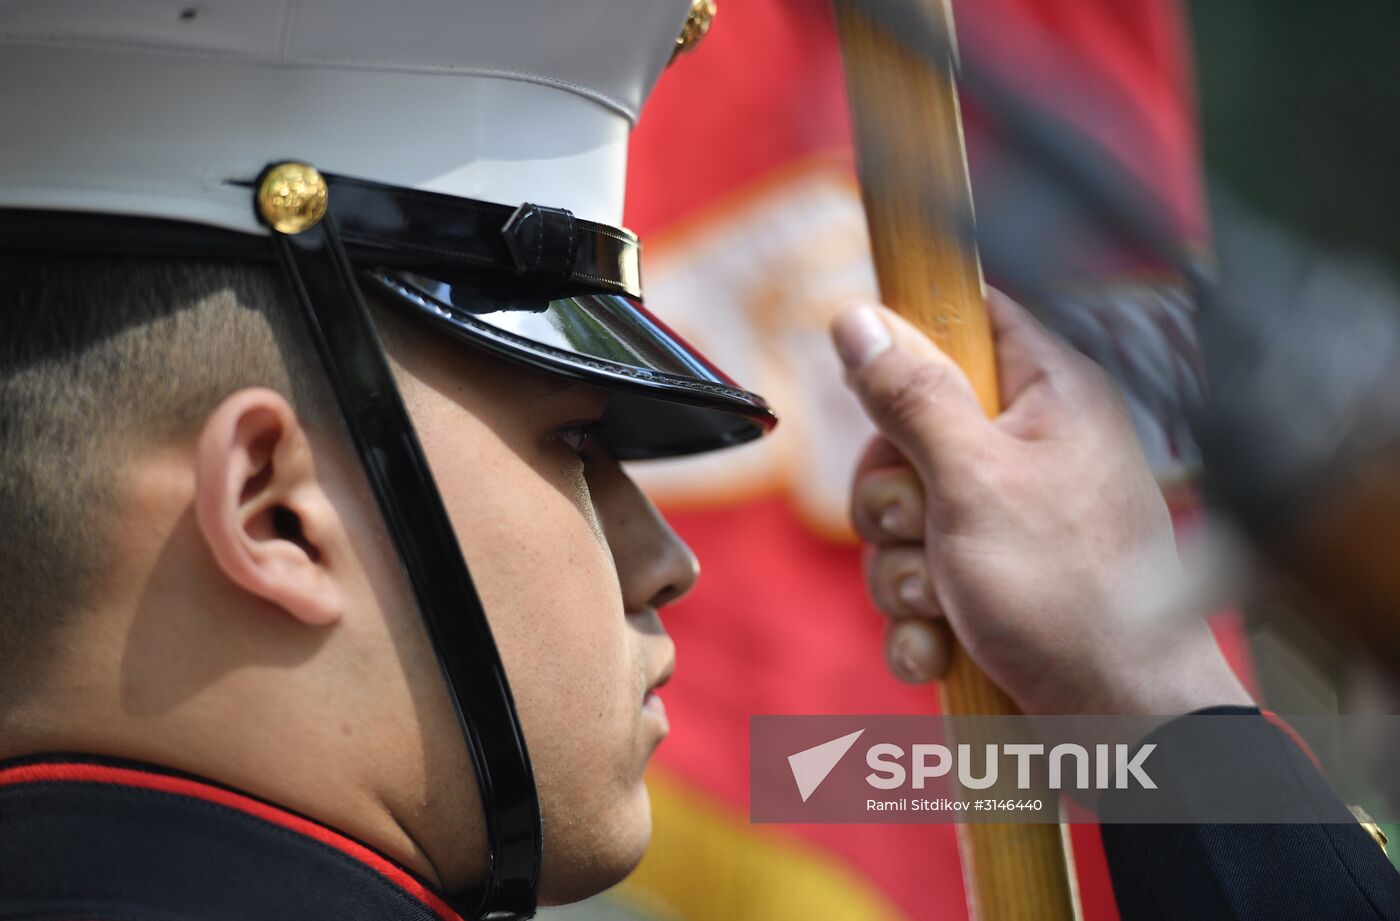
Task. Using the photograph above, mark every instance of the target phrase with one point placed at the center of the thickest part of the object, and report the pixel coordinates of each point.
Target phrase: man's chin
(584, 870)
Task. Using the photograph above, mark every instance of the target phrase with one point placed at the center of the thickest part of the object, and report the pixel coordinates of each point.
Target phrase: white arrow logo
(810, 766)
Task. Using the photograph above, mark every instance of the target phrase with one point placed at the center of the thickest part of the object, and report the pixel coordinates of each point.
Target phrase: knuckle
(979, 469)
(1094, 382)
(1101, 393)
(907, 398)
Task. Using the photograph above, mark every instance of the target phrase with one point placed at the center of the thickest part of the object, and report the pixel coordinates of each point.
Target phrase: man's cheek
(561, 613)
(586, 504)
(577, 706)
(539, 556)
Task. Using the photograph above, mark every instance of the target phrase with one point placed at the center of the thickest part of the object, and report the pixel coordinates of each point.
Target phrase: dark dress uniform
(1331, 869)
(90, 840)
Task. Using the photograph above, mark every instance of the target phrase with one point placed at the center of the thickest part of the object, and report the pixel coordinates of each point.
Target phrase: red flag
(742, 186)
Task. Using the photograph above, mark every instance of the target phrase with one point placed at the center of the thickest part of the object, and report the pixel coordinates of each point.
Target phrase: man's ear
(265, 516)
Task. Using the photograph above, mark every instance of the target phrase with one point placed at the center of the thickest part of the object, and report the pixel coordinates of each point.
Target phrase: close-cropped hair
(100, 355)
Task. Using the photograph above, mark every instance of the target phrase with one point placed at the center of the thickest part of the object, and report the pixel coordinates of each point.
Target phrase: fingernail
(895, 521)
(906, 664)
(860, 336)
(911, 592)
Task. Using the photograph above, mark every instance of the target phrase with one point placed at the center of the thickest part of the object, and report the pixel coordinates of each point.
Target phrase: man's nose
(654, 565)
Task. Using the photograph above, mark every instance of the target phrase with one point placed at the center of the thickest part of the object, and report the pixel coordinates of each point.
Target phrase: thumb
(915, 394)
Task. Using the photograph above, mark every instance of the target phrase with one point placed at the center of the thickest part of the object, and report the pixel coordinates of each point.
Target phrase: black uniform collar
(100, 840)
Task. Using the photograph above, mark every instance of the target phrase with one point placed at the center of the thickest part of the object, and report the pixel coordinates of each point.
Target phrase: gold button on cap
(702, 14)
(292, 197)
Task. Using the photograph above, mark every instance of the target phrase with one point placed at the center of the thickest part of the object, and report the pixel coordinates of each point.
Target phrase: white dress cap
(151, 107)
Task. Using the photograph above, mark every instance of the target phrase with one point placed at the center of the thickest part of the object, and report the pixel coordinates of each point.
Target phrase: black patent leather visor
(667, 399)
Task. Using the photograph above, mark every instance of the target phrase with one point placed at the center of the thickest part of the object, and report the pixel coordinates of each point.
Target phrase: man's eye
(575, 437)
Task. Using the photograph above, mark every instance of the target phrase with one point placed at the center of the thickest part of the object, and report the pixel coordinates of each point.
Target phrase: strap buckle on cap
(543, 241)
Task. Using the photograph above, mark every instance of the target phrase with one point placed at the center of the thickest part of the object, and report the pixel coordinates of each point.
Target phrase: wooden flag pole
(918, 203)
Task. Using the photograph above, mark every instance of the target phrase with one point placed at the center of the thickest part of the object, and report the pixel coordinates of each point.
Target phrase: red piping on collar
(50, 772)
(1278, 723)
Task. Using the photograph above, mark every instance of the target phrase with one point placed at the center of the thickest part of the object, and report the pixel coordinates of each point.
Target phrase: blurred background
(1264, 136)
(1297, 106)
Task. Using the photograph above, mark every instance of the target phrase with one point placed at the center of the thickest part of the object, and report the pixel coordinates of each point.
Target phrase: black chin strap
(324, 281)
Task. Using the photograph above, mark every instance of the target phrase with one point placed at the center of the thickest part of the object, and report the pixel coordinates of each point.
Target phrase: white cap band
(151, 107)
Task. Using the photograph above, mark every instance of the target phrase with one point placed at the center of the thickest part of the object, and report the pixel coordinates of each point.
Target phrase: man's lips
(651, 701)
(654, 715)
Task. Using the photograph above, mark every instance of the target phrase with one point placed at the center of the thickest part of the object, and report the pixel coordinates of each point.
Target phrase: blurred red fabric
(780, 622)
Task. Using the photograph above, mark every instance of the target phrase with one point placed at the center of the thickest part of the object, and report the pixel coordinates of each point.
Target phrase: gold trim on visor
(697, 24)
(292, 197)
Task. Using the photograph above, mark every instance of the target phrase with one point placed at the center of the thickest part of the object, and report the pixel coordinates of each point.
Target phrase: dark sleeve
(1202, 872)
